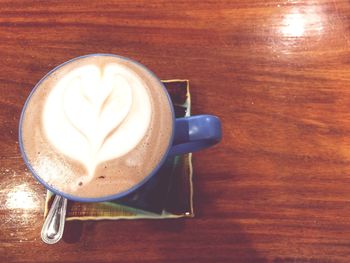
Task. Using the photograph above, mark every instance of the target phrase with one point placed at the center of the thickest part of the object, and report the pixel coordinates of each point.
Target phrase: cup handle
(195, 133)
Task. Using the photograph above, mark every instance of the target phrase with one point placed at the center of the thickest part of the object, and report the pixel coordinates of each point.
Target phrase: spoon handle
(53, 227)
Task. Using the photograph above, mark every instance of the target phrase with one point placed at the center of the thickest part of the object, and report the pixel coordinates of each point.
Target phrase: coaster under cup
(168, 195)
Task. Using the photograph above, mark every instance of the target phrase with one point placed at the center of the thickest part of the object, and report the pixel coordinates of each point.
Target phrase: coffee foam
(94, 115)
(101, 148)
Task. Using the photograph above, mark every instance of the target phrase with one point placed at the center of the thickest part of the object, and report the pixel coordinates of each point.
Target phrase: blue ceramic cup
(189, 134)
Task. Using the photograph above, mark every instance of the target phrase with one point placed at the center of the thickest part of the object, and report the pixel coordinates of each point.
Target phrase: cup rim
(108, 197)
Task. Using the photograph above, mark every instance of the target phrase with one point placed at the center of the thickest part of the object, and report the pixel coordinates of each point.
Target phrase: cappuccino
(96, 126)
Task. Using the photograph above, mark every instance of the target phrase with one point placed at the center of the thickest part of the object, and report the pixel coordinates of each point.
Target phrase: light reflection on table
(22, 197)
(298, 23)
(22, 204)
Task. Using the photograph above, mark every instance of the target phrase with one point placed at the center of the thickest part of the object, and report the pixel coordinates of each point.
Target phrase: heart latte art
(94, 115)
(96, 126)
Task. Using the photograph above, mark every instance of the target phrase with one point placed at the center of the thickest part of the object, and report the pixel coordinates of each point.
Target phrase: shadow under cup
(188, 134)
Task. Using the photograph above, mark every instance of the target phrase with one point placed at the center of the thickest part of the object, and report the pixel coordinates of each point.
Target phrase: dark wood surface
(277, 73)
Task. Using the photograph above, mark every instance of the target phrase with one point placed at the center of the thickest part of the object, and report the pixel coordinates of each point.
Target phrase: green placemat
(176, 191)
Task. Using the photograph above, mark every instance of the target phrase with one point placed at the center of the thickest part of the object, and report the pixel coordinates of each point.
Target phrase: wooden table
(277, 73)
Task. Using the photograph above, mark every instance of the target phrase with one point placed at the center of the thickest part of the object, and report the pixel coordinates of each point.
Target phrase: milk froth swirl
(97, 114)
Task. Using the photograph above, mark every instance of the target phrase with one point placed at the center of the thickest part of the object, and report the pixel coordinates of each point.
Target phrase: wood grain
(277, 73)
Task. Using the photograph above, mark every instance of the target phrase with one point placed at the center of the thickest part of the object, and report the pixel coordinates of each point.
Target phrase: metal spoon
(53, 227)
